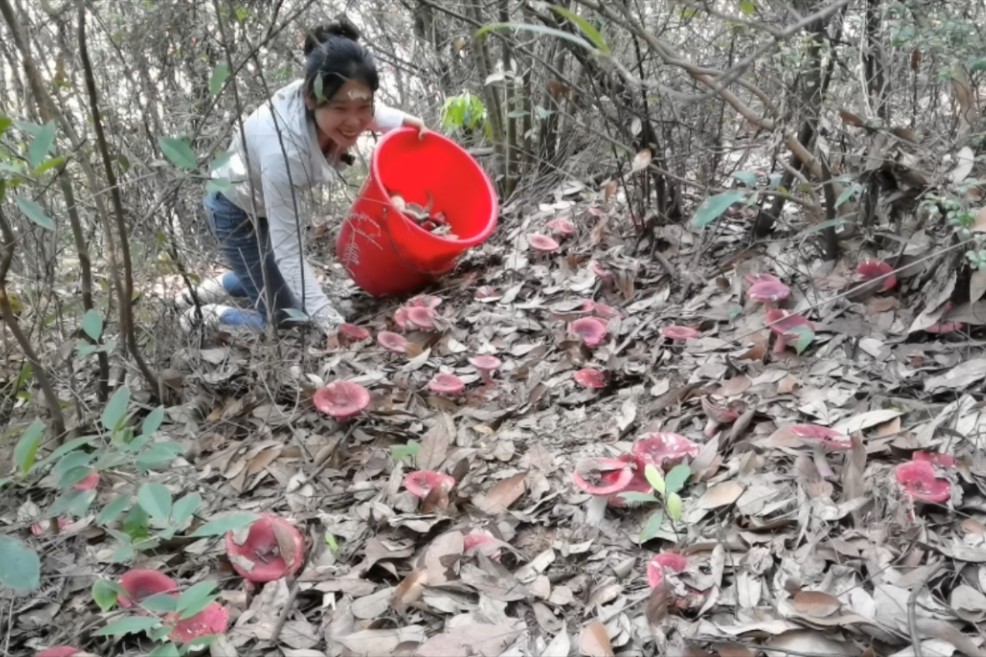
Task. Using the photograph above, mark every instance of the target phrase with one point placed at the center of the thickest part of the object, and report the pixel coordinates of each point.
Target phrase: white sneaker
(210, 291)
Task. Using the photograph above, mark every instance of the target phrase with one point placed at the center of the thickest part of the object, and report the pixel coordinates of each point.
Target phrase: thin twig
(288, 604)
(912, 601)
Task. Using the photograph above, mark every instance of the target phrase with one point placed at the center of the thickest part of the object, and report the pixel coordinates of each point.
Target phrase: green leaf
(748, 7)
(185, 508)
(587, 28)
(221, 160)
(654, 478)
(105, 593)
(81, 503)
(153, 421)
(847, 194)
(218, 185)
(165, 650)
(653, 526)
(242, 13)
(129, 625)
(714, 206)
(123, 553)
(676, 479)
(35, 212)
(92, 324)
(158, 456)
(219, 76)
(41, 145)
(155, 499)
(178, 152)
(805, 336)
(539, 29)
(409, 451)
(160, 603)
(636, 499)
(113, 510)
(71, 461)
(27, 447)
(674, 505)
(20, 567)
(220, 526)
(50, 164)
(974, 67)
(5, 122)
(116, 409)
(195, 598)
(748, 178)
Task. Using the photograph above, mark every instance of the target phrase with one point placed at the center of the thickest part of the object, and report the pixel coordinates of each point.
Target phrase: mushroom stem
(822, 463)
(780, 345)
(711, 428)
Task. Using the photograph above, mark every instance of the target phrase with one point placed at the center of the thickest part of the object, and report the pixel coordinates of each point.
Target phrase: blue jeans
(246, 249)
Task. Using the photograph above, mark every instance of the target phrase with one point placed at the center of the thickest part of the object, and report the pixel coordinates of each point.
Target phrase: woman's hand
(416, 123)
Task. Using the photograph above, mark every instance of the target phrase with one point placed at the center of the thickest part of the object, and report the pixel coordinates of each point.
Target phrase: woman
(298, 139)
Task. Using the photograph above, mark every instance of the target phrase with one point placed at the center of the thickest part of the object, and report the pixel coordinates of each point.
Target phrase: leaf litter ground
(779, 557)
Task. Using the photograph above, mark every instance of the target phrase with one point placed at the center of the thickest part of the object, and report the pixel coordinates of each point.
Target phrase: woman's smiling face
(345, 116)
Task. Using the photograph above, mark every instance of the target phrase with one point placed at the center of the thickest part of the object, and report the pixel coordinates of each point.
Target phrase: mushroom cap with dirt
(919, 481)
(269, 549)
(717, 415)
(871, 269)
(421, 482)
(663, 450)
(212, 620)
(602, 476)
(141, 583)
(590, 377)
(768, 291)
(591, 330)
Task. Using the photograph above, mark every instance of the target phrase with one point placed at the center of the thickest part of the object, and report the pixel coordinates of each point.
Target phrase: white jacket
(277, 194)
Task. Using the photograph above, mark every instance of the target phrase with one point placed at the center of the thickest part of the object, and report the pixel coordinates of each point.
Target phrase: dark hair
(333, 56)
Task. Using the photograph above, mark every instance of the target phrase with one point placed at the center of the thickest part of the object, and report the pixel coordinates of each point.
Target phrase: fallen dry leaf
(409, 590)
(435, 444)
(476, 639)
(595, 641)
(502, 495)
(286, 545)
(721, 495)
(816, 603)
(642, 160)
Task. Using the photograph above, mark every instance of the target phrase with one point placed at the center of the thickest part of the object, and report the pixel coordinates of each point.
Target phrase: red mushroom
(353, 333)
(761, 277)
(480, 540)
(446, 384)
(663, 563)
(90, 482)
(602, 310)
(592, 330)
(638, 484)
(822, 438)
(768, 292)
(424, 301)
(602, 477)
(675, 332)
(717, 415)
(946, 461)
(391, 341)
(421, 482)
(590, 377)
(869, 270)
(59, 651)
(212, 620)
(271, 548)
(787, 326)
(663, 450)
(343, 400)
(141, 583)
(400, 317)
(421, 317)
(918, 480)
(486, 366)
(561, 226)
(542, 243)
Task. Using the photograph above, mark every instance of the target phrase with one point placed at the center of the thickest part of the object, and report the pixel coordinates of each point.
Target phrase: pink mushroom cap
(919, 480)
(89, 483)
(761, 277)
(638, 484)
(421, 482)
(212, 620)
(769, 291)
(425, 301)
(590, 377)
(58, 651)
(343, 400)
(475, 541)
(485, 363)
(870, 269)
(602, 476)
(400, 317)
(353, 332)
(446, 384)
(662, 563)
(391, 341)
(663, 450)
(675, 332)
(814, 433)
(260, 556)
(785, 323)
(561, 226)
(422, 317)
(141, 583)
(592, 330)
(542, 243)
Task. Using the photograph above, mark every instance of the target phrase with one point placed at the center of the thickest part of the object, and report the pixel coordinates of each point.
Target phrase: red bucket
(386, 252)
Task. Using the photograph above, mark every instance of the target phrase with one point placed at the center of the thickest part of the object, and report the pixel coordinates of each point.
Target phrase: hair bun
(321, 33)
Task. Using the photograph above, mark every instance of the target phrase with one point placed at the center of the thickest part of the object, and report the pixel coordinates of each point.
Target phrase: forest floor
(782, 556)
